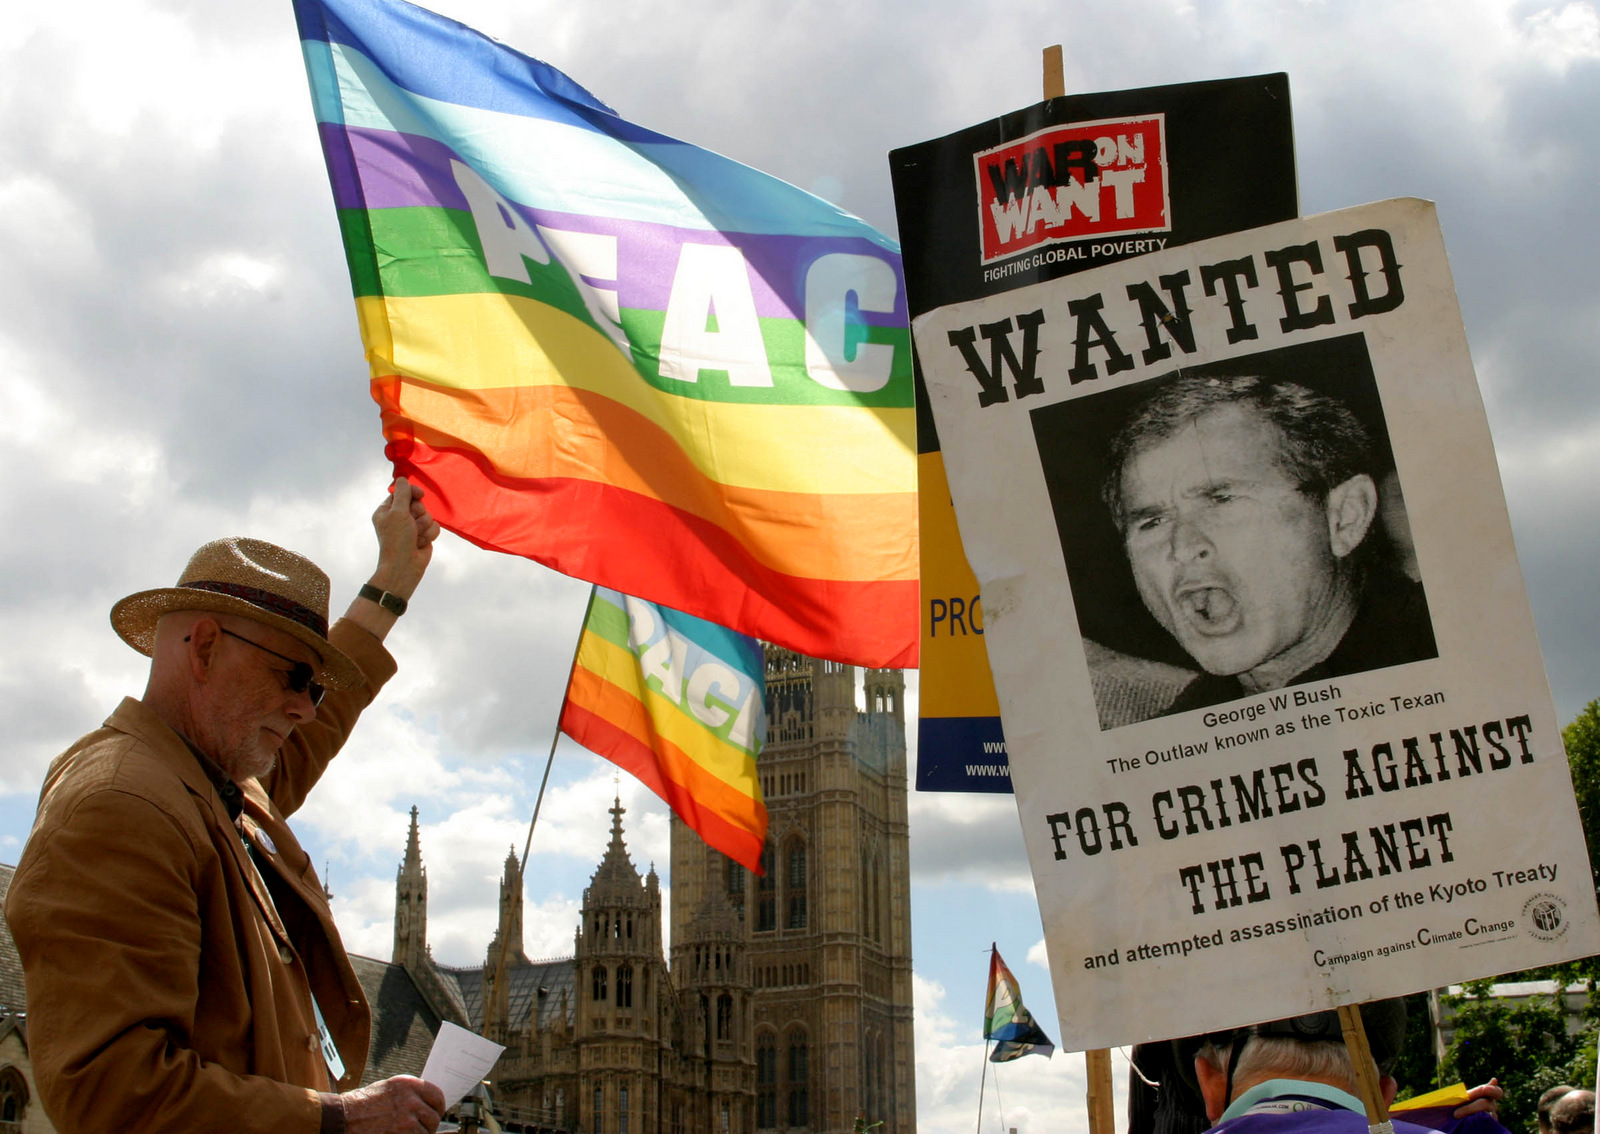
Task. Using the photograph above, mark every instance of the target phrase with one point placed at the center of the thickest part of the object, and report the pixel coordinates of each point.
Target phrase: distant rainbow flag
(1006, 1021)
(680, 703)
(633, 360)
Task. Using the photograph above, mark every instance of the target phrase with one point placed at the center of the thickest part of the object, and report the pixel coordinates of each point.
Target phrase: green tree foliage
(1417, 1069)
(1582, 738)
(1525, 1046)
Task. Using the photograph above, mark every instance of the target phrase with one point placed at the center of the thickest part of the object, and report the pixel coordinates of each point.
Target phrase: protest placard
(1070, 183)
(1279, 728)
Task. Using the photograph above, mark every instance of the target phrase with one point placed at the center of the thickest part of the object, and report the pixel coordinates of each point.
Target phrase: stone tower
(507, 929)
(711, 971)
(828, 927)
(653, 1048)
(411, 905)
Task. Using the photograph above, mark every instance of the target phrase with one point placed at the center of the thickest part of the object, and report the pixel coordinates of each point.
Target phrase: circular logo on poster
(1545, 915)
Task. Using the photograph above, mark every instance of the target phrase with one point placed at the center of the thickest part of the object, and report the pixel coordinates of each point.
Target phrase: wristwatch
(391, 602)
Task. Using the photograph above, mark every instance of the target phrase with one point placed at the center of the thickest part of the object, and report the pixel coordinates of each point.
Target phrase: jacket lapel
(133, 718)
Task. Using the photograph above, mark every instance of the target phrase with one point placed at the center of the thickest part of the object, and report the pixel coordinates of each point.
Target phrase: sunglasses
(298, 675)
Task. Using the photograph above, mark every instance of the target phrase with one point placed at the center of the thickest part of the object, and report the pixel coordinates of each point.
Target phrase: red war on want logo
(1073, 182)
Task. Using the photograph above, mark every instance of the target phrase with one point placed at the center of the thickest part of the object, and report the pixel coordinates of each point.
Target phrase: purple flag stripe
(382, 169)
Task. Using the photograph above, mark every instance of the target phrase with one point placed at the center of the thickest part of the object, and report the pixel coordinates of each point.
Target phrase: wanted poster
(1279, 729)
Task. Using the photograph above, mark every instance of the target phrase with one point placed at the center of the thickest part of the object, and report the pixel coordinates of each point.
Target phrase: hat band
(267, 601)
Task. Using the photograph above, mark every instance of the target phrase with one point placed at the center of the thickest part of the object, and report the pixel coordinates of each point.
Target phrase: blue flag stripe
(440, 58)
(552, 162)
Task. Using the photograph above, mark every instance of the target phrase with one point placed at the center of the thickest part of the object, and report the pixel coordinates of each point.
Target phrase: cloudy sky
(179, 360)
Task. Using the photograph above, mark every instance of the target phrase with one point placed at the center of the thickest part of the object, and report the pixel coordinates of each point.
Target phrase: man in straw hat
(182, 966)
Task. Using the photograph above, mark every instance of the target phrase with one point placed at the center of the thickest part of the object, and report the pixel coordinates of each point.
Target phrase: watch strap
(391, 602)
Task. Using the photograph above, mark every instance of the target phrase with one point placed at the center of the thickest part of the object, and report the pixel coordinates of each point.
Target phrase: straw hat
(253, 579)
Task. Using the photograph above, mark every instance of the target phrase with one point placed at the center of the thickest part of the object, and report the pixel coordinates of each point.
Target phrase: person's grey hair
(1549, 1099)
(1324, 442)
(1275, 1057)
(1573, 1114)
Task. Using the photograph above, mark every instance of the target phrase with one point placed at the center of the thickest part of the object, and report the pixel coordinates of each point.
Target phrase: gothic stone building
(787, 1004)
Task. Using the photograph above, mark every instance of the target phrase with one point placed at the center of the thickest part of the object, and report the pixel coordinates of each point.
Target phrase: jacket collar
(1300, 1088)
(139, 721)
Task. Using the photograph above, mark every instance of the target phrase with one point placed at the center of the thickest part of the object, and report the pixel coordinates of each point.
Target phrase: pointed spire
(615, 865)
(617, 811)
(411, 903)
(413, 863)
(510, 923)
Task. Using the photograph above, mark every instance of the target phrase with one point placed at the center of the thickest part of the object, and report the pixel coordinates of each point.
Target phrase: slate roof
(12, 995)
(526, 979)
(403, 1024)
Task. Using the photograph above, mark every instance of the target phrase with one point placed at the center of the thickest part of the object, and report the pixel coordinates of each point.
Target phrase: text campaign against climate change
(1278, 724)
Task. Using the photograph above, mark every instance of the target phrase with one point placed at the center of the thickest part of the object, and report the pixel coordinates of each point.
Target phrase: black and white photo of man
(1244, 506)
(1256, 516)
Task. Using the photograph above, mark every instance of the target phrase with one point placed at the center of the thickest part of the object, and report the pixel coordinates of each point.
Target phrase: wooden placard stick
(1097, 1063)
(1102, 1118)
(1055, 79)
(1355, 1042)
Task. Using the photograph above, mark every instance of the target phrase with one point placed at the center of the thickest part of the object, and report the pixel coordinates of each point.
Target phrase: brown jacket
(166, 990)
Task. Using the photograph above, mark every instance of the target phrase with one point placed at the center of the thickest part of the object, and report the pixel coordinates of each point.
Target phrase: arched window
(795, 888)
(869, 1069)
(799, 1078)
(766, 1081)
(598, 982)
(13, 1096)
(624, 986)
(599, 1110)
(884, 1075)
(622, 1110)
(766, 893)
(877, 899)
(735, 884)
(724, 1017)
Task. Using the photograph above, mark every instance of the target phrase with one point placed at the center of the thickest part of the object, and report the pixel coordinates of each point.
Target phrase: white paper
(459, 1061)
(1216, 858)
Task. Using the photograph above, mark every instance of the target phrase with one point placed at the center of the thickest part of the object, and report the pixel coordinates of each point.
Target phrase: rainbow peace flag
(633, 360)
(680, 703)
(1006, 1021)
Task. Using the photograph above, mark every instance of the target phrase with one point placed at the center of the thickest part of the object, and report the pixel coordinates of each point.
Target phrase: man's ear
(1213, 1087)
(202, 642)
(1352, 506)
(1388, 1087)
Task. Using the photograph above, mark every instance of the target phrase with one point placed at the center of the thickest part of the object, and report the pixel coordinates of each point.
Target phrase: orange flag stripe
(872, 537)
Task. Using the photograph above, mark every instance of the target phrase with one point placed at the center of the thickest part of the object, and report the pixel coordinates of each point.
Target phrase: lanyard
(330, 1050)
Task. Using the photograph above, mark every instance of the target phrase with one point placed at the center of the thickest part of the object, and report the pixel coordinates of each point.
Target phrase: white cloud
(1561, 37)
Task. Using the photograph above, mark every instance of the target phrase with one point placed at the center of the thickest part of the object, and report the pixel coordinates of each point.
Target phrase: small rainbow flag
(1006, 1021)
(630, 359)
(680, 703)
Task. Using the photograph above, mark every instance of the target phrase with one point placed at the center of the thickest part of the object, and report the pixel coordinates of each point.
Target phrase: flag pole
(983, 1081)
(1355, 1042)
(983, 1077)
(538, 802)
